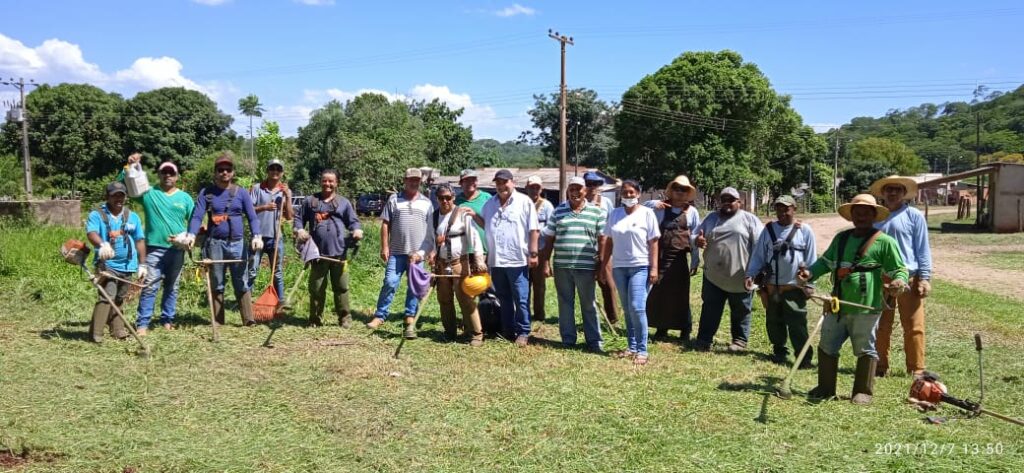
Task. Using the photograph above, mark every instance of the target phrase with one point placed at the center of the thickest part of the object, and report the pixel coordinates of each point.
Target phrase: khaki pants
(538, 284)
(450, 289)
(911, 307)
(609, 295)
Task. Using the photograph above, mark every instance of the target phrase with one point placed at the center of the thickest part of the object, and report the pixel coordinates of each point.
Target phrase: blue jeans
(397, 266)
(859, 328)
(166, 262)
(226, 250)
(569, 282)
(513, 288)
(711, 314)
(632, 286)
(257, 258)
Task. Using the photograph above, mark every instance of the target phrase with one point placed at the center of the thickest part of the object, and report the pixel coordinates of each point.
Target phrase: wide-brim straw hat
(846, 210)
(683, 182)
(909, 184)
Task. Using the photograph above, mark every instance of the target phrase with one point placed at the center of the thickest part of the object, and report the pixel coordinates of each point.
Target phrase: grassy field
(329, 399)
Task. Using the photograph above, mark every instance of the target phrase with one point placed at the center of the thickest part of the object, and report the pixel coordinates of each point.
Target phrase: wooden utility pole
(835, 176)
(977, 163)
(562, 40)
(23, 117)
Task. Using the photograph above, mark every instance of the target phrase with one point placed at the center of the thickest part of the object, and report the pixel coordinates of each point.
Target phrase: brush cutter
(928, 391)
(206, 264)
(75, 252)
(266, 306)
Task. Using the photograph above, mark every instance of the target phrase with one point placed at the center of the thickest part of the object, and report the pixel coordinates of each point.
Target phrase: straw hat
(881, 213)
(683, 182)
(909, 184)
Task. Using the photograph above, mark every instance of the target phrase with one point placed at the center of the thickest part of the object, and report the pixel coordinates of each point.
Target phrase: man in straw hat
(909, 228)
(857, 259)
(668, 304)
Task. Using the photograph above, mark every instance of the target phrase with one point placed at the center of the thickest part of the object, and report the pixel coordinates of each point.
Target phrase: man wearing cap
(167, 214)
(328, 215)
(225, 205)
(510, 225)
(272, 200)
(574, 239)
(857, 259)
(406, 238)
(593, 182)
(786, 246)
(668, 304)
(727, 237)
(909, 228)
(535, 190)
(120, 243)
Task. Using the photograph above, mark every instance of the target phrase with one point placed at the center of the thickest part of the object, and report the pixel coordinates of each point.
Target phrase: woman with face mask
(631, 259)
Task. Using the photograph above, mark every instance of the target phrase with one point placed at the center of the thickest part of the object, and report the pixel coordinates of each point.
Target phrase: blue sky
(837, 59)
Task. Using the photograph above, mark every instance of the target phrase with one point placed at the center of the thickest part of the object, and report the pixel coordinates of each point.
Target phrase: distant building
(548, 176)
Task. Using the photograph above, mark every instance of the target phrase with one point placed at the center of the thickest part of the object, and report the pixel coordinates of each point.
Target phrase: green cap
(786, 200)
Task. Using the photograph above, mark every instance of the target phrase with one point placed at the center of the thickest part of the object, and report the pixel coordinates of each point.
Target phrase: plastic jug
(136, 180)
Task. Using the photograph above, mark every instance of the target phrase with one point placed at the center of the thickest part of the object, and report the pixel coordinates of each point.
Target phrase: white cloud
(211, 3)
(514, 10)
(316, 3)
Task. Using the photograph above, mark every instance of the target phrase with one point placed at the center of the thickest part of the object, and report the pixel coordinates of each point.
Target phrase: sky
(838, 60)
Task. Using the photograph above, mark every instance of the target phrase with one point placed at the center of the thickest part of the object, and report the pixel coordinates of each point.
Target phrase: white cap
(534, 179)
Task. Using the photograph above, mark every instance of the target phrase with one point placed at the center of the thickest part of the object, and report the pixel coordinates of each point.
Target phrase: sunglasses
(221, 170)
(168, 172)
(445, 198)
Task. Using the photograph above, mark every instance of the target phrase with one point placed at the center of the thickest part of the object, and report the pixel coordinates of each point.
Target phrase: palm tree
(250, 106)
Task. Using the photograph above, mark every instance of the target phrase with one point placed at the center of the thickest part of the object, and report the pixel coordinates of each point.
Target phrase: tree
(858, 178)
(588, 128)
(897, 156)
(447, 141)
(712, 116)
(270, 145)
(73, 133)
(175, 124)
(250, 106)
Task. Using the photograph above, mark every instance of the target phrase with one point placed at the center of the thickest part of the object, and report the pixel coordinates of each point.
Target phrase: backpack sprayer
(927, 391)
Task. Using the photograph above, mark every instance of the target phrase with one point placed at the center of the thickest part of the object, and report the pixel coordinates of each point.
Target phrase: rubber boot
(864, 380)
(100, 316)
(245, 308)
(218, 308)
(828, 369)
(116, 325)
(345, 319)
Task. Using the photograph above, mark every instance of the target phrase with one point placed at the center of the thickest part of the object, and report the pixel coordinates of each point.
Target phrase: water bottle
(136, 180)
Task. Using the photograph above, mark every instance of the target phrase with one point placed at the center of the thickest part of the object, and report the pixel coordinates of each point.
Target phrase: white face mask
(630, 203)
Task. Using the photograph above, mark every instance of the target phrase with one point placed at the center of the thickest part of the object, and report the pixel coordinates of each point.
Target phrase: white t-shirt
(508, 230)
(630, 235)
(459, 237)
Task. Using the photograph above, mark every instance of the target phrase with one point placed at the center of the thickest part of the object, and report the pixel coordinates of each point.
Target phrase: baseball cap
(730, 191)
(167, 165)
(577, 181)
(115, 187)
(413, 173)
(591, 176)
(786, 200)
(503, 174)
(224, 159)
(467, 173)
(275, 162)
(534, 179)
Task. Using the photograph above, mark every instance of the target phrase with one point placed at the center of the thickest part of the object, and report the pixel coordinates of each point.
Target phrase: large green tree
(175, 124)
(447, 141)
(895, 155)
(588, 127)
(73, 133)
(250, 106)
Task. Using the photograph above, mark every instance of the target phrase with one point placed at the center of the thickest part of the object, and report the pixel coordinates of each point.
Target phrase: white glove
(105, 252)
(257, 243)
(358, 234)
(301, 235)
(180, 241)
(143, 272)
(190, 240)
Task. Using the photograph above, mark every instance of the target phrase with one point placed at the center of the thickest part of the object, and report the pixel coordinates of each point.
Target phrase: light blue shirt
(545, 212)
(910, 230)
(126, 259)
(801, 252)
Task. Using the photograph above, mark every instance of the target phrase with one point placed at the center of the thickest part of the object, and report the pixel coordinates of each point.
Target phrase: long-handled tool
(928, 390)
(832, 306)
(94, 279)
(419, 310)
(265, 307)
(207, 263)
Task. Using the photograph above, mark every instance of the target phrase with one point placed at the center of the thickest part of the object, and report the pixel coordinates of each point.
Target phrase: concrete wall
(1008, 200)
(49, 212)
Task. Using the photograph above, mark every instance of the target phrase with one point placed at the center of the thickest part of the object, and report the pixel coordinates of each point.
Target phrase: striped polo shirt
(411, 226)
(576, 235)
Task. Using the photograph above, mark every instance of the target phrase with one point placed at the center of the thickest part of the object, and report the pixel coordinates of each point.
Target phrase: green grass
(1011, 260)
(329, 399)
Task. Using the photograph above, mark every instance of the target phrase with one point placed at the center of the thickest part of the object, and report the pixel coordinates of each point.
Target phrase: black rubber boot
(100, 315)
(245, 308)
(864, 380)
(828, 369)
(218, 308)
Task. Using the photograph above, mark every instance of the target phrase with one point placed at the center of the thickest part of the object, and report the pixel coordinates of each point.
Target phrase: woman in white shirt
(630, 258)
(459, 249)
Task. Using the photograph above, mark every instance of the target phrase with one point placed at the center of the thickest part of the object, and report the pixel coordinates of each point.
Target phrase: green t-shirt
(477, 204)
(862, 287)
(166, 214)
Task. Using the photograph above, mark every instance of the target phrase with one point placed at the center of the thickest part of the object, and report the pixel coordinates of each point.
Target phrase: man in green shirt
(167, 212)
(472, 197)
(857, 260)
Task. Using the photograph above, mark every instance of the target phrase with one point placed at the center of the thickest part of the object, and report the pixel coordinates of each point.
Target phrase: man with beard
(534, 189)
(727, 238)
(668, 304)
(593, 182)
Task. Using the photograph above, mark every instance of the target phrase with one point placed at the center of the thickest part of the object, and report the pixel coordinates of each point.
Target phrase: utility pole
(562, 40)
(977, 164)
(23, 117)
(835, 176)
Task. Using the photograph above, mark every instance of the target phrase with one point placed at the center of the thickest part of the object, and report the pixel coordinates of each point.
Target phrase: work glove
(301, 235)
(357, 234)
(181, 241)
(106, 251)
(257, 243)
(190, 240)
(924, 287)
(143, 272)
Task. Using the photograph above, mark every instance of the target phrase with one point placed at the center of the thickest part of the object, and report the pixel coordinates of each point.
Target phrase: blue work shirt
(801, 252)
(126, 259)
(232, 228)
(328, 232)
(910, 230)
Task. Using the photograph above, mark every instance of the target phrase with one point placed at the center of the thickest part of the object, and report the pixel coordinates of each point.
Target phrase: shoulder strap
(866, 244)
(771, 232)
